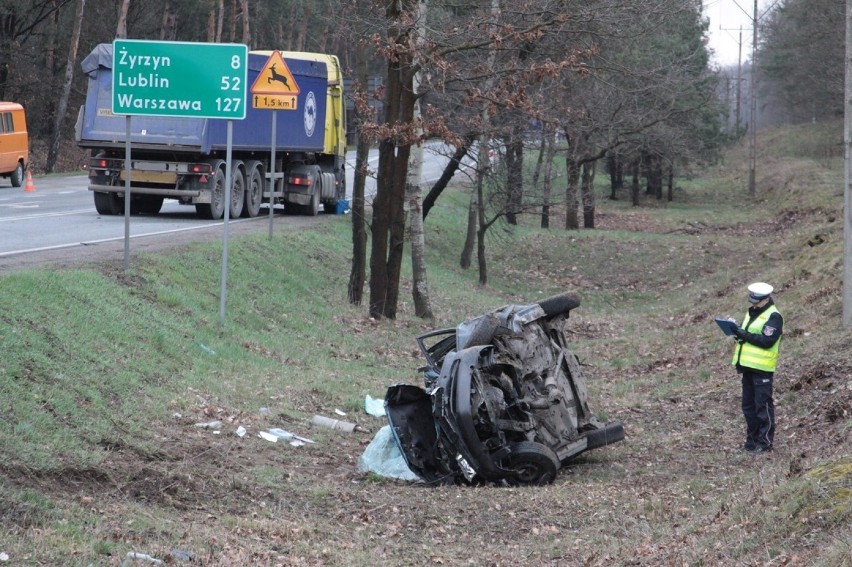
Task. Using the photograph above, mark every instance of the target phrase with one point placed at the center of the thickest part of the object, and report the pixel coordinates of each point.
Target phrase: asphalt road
(57, 222)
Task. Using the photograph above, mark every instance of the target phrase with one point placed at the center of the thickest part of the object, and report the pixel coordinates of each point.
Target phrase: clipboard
(726, 326)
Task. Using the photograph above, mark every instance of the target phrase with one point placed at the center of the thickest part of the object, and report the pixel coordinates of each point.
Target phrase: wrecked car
(504, 400)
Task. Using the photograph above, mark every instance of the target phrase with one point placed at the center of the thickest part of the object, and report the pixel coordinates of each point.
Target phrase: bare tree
(419, 284)
(121, 25)
(244, 9)
(168, 30)
(19, 21)
(358, 272)
(53, 152)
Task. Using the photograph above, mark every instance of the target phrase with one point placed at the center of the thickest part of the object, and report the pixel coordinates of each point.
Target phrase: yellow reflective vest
(751, 356)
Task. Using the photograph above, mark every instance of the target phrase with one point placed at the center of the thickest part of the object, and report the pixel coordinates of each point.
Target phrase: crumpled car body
(504, 400)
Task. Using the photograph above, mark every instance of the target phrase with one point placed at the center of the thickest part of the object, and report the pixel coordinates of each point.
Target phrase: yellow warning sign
(275, 78)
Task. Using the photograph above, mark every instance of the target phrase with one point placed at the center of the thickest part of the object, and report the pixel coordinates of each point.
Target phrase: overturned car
(504, 400)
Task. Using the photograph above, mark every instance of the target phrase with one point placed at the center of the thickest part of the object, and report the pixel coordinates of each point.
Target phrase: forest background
(627, 89)
(104, 374)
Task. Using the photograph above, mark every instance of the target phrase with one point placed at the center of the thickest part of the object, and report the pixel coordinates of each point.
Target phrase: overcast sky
(726, 17)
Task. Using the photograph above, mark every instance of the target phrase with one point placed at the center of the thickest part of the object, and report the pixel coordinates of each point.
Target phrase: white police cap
(759, 290)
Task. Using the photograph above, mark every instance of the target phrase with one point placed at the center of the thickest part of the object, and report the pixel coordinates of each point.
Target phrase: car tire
(531, 463)
(483, 332)
(17, 175)
(558, 304)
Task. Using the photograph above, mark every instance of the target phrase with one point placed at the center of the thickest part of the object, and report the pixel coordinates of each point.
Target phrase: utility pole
(739, 81)
(752, 153)
(847, 155)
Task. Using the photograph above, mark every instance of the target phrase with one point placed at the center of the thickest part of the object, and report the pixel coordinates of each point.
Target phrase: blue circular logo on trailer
(310, 114)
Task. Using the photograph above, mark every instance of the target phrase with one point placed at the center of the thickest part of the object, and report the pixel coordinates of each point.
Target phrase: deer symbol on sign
(276, 77)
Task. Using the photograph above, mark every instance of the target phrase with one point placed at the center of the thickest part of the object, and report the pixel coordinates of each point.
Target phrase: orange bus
(14, 142)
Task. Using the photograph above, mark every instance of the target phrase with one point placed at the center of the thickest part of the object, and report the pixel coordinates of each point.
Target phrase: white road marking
(42, 215)
(113, 239)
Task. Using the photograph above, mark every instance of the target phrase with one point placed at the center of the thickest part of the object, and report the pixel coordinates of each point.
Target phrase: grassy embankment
(104, 375)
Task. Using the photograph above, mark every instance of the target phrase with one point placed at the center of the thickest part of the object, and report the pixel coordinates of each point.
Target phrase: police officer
(755, 357)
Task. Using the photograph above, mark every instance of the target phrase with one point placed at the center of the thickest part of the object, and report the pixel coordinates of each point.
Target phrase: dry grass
(676, 492)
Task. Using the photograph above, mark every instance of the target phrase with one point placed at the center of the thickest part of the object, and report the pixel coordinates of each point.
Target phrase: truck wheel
(108, 203)
(330, 205)
(17, 176)
(531, 463)
(312, 208)
(215, 209)
(254, 189)
(238, 189)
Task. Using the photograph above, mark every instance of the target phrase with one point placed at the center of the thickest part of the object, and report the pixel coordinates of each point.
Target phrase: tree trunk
(301, 39)
(121, 26)
(244, 6)
(388, 215)
(358, 274)
(588, 192)
(571, 220)
(327, 32)
(515, 175)
(419, 284)
(168, 28)
(211, 23)
(480, 239)
(542, 148)
(612, 165)
(548, 178)
(470, 235)
(66, 87)
(670, 183)
(634, 187)
(232, 21)
(293, 16)
(220, 22)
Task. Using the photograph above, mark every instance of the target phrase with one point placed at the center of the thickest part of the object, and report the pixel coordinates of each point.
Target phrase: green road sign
(178, 78)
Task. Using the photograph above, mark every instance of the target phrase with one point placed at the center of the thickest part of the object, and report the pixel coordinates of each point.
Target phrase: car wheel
(531, 463)
(558, 304)
(483, 332)
(17, 176)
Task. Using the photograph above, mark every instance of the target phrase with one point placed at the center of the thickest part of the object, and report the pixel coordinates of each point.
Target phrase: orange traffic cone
(29, 187)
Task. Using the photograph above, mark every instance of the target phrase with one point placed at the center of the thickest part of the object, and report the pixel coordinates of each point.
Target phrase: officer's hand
(739, 332)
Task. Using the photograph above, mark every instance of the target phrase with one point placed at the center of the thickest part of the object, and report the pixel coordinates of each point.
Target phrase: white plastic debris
(339, 411)
(142, 557)
(209, 425)
(268, 436)
(287, 436)
(374, 407)
(206, 348)
(4, 556)
(383, 457)
(241, 431)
